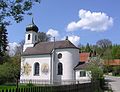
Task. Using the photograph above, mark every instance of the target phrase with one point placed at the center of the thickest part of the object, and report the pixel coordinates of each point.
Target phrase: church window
(28, 36)
(60, 69)
(83, 73)
(59, 55)
(35, 37)
(36, 68)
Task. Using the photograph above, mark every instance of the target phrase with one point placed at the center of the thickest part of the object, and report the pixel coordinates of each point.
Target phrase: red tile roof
(84, 57)
(112, 62)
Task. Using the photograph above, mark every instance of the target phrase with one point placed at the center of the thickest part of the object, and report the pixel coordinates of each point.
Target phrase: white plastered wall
(31, 60)
(70, 58)
(85, 79)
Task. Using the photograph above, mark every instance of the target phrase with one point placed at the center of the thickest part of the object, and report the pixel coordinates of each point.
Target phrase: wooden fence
(87, 87)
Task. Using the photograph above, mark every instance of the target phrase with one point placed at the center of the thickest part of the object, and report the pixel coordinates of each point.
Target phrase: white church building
(49, 62)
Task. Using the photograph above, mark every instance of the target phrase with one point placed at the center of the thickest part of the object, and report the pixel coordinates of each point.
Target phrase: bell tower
(31, 36)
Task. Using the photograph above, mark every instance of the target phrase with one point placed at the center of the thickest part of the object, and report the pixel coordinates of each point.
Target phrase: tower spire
(33, 20)
(32, 27)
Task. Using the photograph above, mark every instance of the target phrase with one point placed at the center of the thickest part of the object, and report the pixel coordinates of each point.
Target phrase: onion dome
(32, 27)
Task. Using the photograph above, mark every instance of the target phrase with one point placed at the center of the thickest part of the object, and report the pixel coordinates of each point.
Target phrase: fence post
(3, 90)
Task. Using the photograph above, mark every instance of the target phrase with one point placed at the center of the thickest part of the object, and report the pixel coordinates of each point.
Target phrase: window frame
(60, 69)
(82, 73)
(36, 69)
(59, 55)
(29, 36)
(35, 37)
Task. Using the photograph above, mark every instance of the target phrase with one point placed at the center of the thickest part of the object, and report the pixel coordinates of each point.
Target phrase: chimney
(66, 38)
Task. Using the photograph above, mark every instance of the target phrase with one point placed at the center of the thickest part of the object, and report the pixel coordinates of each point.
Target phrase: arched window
(36, 69)
(60, 69)
(35, 37)
(28, 36)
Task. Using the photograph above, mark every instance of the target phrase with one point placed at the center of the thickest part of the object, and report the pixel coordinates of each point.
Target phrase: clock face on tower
(45, 68)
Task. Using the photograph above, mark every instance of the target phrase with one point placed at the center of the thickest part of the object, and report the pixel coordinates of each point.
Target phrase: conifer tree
(3, 40)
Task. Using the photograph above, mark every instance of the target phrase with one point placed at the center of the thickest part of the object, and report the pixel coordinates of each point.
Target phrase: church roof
(47, 47)
(82, 65)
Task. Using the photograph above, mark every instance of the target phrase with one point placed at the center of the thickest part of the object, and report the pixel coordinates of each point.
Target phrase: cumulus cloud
(74, 39)
(12, 48)
(53, 33)
(94, 21)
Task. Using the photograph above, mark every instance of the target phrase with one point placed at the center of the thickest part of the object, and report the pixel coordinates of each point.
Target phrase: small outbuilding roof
(82, 65)
(84, 57)
(114, 62)
(47, 47)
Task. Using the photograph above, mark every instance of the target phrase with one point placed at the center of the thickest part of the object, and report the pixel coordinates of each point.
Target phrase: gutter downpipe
(53, 58)
(52, 63)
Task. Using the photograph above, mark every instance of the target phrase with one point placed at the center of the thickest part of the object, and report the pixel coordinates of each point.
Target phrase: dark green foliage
(108, 52)
(82, 48)
(15, 9)
(103, 49)
(10, 71)
(88, 87)
(30, 85)
(3, 40)
(88, 49)
(95, 66)
(116, 71)
(115, 51)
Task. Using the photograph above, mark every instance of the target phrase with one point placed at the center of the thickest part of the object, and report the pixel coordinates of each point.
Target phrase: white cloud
(12, 48)
(94, 21)
(53, 33)
(74, 39)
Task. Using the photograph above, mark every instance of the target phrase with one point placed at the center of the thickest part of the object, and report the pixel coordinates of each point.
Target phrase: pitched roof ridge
(56, 42)
(46, 47)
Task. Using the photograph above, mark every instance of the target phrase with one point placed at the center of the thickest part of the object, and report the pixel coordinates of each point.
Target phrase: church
(48, 62)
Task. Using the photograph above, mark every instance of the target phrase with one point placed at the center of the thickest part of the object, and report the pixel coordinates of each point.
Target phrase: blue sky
(83, 21)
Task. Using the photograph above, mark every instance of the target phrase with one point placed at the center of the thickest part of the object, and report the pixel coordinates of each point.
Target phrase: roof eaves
(34, 54)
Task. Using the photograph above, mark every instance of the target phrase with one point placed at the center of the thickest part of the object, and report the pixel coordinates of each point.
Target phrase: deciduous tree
(43, 37)
(15, 10)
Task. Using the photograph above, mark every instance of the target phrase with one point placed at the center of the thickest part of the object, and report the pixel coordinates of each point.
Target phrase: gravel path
(114, 82)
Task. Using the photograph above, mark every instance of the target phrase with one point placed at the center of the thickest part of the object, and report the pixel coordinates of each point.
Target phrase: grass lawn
(7, 86)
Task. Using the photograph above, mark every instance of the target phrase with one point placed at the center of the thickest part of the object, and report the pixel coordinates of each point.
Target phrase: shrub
(30, 85)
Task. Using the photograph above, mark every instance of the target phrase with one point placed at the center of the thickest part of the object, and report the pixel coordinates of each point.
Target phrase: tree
(12, 10)
(43, 37)
(82, 48)
(3, 40)
(10, 71)
(19, 49)
(102, 46)
(95, 68)
(104, 43)
(116, 51)
(87, 48)
(15, 9)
